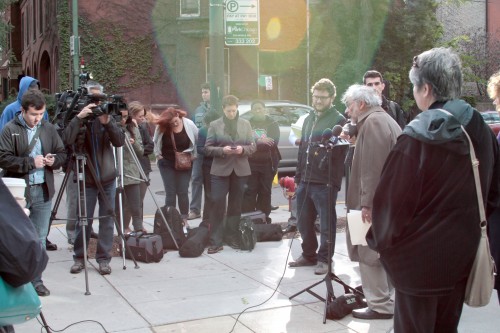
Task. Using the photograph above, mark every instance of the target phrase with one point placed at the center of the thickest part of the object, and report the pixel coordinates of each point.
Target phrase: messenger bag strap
(477, 180)
(173, 140)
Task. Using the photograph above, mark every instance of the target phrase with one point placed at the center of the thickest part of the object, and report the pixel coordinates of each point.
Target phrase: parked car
(492, 118)
(285, 113)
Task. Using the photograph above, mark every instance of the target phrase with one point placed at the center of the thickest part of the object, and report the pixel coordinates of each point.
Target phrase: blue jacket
(11, 109)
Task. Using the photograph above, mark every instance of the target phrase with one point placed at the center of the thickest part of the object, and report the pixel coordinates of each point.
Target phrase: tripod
(144, 178)
(330, 276)
(77, 163)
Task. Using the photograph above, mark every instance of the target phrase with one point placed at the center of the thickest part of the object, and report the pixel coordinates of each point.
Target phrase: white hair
(362, 93)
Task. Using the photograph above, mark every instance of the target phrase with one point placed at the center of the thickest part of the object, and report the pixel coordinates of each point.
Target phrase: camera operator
(94, 136)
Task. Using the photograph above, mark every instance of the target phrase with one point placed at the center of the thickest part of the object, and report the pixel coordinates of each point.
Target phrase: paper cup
(16, 186)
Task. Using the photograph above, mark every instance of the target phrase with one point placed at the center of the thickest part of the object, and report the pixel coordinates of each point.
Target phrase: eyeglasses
(322, 98)
(415, 61)
(376, 84)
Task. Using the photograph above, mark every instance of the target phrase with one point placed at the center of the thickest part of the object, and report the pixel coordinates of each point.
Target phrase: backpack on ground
(247, 234)
(174, 220)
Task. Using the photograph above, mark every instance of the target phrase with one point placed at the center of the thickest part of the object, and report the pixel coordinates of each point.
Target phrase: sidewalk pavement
(208, 293)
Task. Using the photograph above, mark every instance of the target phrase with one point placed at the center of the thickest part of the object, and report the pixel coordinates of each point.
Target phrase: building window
(190, 7)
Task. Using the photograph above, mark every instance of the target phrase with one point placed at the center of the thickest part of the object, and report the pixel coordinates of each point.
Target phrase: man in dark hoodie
(27, 83)
(425, 217)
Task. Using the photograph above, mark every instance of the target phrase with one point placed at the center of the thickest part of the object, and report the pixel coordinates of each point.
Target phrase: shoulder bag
(482, 276)
(18, 305)
(182, 159)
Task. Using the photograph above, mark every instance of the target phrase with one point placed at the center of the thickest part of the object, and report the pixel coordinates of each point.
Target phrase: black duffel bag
(196, 242)
(268, 232)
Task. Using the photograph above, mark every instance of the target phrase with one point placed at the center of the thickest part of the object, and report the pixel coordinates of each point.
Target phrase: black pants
(258, 192)
(231, 187)
(427, 314)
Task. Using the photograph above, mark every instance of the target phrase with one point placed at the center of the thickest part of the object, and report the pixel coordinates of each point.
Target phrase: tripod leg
(45, 325)
(82, 214)
(110, 209)
(145, 178)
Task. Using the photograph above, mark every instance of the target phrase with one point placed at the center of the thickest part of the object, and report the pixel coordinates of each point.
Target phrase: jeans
(71, 202)
(221, 187)
(40, 207)
(292, 220)
(258, 192)
(197, 185)
(312, 200)
(176, 185)
(106, 227)
(132, 206)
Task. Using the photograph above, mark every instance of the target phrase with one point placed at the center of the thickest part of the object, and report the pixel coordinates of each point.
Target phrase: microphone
(336, 131)
(332, 140)
(327, 135)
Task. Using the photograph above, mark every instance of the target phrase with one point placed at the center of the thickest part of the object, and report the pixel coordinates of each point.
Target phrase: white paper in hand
(357, 228)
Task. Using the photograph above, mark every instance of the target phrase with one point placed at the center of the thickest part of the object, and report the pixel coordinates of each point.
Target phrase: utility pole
(216, 54)
(76, 46)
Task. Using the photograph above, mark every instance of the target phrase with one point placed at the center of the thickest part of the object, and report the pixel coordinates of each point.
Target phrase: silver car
(285, 113)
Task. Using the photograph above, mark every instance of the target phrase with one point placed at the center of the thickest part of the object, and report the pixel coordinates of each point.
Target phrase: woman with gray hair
(425, 209)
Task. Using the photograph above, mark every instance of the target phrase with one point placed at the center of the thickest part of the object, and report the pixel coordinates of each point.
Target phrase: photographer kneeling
(98, 132)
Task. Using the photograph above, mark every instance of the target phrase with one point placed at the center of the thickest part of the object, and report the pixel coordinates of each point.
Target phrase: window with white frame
(190, 7)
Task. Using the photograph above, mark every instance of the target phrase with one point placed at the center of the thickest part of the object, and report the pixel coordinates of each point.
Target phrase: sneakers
(214, 249)
(77, 267)
(104, 268)
(321, 268)
(301, 261)
(41, 290)
(193, 215)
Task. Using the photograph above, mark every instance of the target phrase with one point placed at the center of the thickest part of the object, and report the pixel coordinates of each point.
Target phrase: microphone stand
(330, 276)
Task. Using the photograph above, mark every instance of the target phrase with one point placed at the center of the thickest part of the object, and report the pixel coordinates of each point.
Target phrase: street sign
(241, 22)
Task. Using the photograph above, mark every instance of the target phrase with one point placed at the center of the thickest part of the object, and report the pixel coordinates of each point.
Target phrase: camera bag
(174, 221)
(145, 247)
(343, 305)
(268, 232)
(257, 217)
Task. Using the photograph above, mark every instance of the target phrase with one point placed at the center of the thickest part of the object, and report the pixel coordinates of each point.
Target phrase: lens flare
(273, 28)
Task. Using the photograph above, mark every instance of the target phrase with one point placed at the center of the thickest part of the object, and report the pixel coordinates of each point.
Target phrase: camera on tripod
(70, 103)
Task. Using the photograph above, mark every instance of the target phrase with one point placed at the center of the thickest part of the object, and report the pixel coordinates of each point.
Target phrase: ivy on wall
(117, 61)
(64, 29)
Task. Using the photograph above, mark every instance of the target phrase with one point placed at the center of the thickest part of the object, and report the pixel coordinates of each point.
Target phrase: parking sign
(241, 21)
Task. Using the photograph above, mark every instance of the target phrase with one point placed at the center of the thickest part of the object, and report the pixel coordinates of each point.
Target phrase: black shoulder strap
(33, 141)
(392, 107)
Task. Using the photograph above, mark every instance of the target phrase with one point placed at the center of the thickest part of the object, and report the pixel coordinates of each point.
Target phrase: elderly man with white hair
(377, 134)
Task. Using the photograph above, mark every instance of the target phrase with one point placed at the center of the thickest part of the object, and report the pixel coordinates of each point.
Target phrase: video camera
(70, 103)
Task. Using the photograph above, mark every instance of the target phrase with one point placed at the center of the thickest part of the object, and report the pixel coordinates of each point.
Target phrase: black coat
(22, 256)
(425, 212)
(15, 159)
(98, 140)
